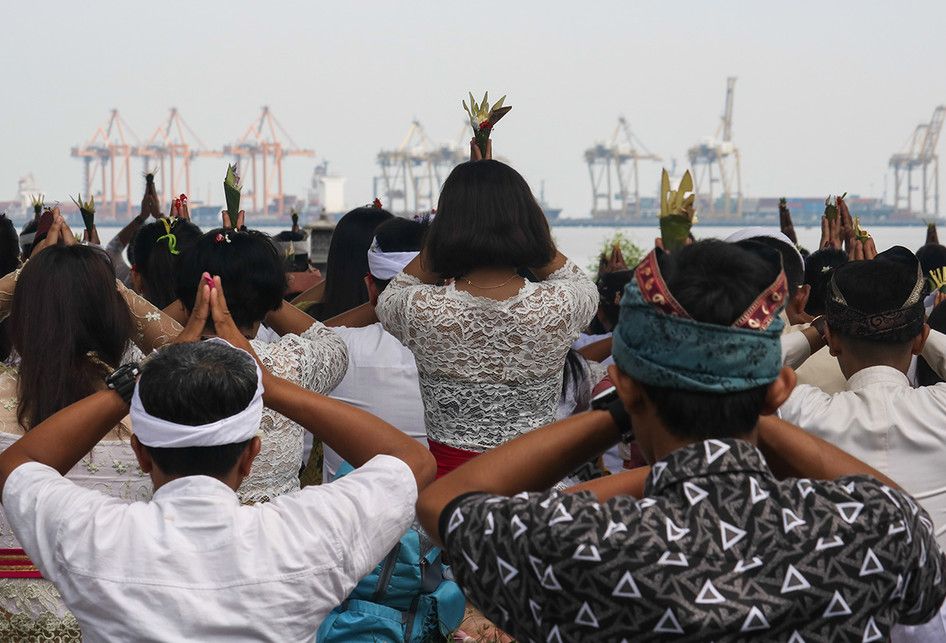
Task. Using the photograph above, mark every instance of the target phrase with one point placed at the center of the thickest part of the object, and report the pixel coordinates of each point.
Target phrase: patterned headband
(889, 326)
(758, 316)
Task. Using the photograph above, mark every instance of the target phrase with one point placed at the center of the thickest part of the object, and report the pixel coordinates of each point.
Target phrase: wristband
(122, 380)
(610, 402)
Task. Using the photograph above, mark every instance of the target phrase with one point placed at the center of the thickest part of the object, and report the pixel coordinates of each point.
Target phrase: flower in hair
(221, 237)
(376, 203)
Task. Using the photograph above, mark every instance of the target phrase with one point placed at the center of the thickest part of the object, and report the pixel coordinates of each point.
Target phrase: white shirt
(882, 420)
(382, 380)
(193, 564)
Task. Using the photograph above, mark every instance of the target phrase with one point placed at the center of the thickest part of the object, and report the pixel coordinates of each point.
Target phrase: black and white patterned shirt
(719, 549)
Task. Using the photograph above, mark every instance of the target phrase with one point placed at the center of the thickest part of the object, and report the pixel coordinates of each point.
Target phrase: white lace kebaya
(489, 370)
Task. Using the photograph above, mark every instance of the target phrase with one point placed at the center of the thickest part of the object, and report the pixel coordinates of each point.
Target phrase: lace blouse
(316, 360)
(489, 370)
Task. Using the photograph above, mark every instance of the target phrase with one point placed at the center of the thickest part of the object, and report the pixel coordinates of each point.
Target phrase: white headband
(385, 265)
(158, 433)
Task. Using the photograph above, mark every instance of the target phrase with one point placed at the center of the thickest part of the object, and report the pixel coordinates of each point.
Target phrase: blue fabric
(678, 353)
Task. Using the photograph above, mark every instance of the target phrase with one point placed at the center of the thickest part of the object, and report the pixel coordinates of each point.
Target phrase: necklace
(470, 283)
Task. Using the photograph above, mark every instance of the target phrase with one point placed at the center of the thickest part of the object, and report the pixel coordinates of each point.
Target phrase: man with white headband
(382, 376)
(194, 564)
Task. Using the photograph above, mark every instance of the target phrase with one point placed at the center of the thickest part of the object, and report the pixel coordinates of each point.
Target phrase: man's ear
(245, 463)
(778, 391)
(141, 453)
(372, 290)
(630, 391)
(833, 341)
(920, 340)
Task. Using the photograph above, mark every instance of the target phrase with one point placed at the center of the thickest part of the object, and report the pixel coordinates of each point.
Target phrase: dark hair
(932, 256)
(65, 305)
(792, 264)
(925, 375)
(399, 235)
(487, 216)
(153, 259)
(610, 290)
(30, 226)
(715, 281)
(347, 262)
(249, 265)
(9, 261)
(876, 286)
(818, 270)
(194, 384)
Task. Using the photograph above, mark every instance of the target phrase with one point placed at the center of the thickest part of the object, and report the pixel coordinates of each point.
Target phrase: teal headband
(657, 343)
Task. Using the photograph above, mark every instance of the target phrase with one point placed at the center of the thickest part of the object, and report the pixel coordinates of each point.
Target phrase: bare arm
(62, 439)
(289, 319)
(794, 453)
(357, 317)
(531, 462)
(597, 351)
(313, 295)
(626, 483)
(126, 234)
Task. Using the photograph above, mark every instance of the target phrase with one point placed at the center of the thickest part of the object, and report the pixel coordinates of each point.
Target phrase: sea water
(582, 244)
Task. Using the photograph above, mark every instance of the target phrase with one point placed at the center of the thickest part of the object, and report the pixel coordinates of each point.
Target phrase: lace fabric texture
(489, 370)
(316, 360)
(31, 609)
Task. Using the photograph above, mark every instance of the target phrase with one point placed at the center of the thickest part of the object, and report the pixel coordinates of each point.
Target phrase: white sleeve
(395, 303)
(367, 511)
(39, 503)
(805, 406)
(934, 352)
(795, 349)
(316, 360)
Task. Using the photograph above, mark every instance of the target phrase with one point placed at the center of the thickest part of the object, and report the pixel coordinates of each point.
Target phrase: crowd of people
(460, 435)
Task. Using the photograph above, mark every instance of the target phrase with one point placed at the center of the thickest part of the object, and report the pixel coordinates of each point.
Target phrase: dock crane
(715, 160)
(616, 162)
(920, 156)
(106, 157)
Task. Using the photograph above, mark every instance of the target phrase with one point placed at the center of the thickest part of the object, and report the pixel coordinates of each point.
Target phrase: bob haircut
(154, 262)
(487, 217)
(249, 265)
(65, 306)
(347, 262)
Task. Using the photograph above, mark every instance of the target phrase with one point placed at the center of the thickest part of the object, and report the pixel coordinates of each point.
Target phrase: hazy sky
(826, 90)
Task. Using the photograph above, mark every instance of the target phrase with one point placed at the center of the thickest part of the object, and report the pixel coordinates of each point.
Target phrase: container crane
(716, 160)
(170, 149)
(262, 143)
(616, 162)
(919, 155)
(412, 173)
(106, 158)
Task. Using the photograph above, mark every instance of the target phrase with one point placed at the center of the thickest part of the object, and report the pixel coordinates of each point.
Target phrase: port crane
(919, 156)
(169, 151)
(413, 173)
(265, 143)
(615, 163)
(106, 158)
(715, 160)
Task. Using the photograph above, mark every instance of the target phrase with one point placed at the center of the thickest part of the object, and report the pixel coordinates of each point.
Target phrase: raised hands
(59, 232)
(932, 236)
(860, 250)
(240, 220)
(211, 304)
(179, 208)
(785, 221)
(476, 154)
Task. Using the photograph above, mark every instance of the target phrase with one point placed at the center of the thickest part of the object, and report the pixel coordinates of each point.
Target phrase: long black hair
(347, 262)
(154, 260)
(65, 306)
(9, 261)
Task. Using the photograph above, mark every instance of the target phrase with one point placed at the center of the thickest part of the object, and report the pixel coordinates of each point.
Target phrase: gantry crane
(919, 154)
(616, 162)
(169, 150)
(413, 173)
(716, 160)
(108, 154)
(262, 144)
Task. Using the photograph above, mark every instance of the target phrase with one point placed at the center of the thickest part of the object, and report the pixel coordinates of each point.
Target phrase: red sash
(14, 563)
(448, 458)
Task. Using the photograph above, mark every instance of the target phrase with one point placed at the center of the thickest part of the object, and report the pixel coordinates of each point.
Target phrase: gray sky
(826, 90)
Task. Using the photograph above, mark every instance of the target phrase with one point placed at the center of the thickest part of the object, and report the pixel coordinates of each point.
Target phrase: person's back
(717, 548)
(875, 316)
(193, 563)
